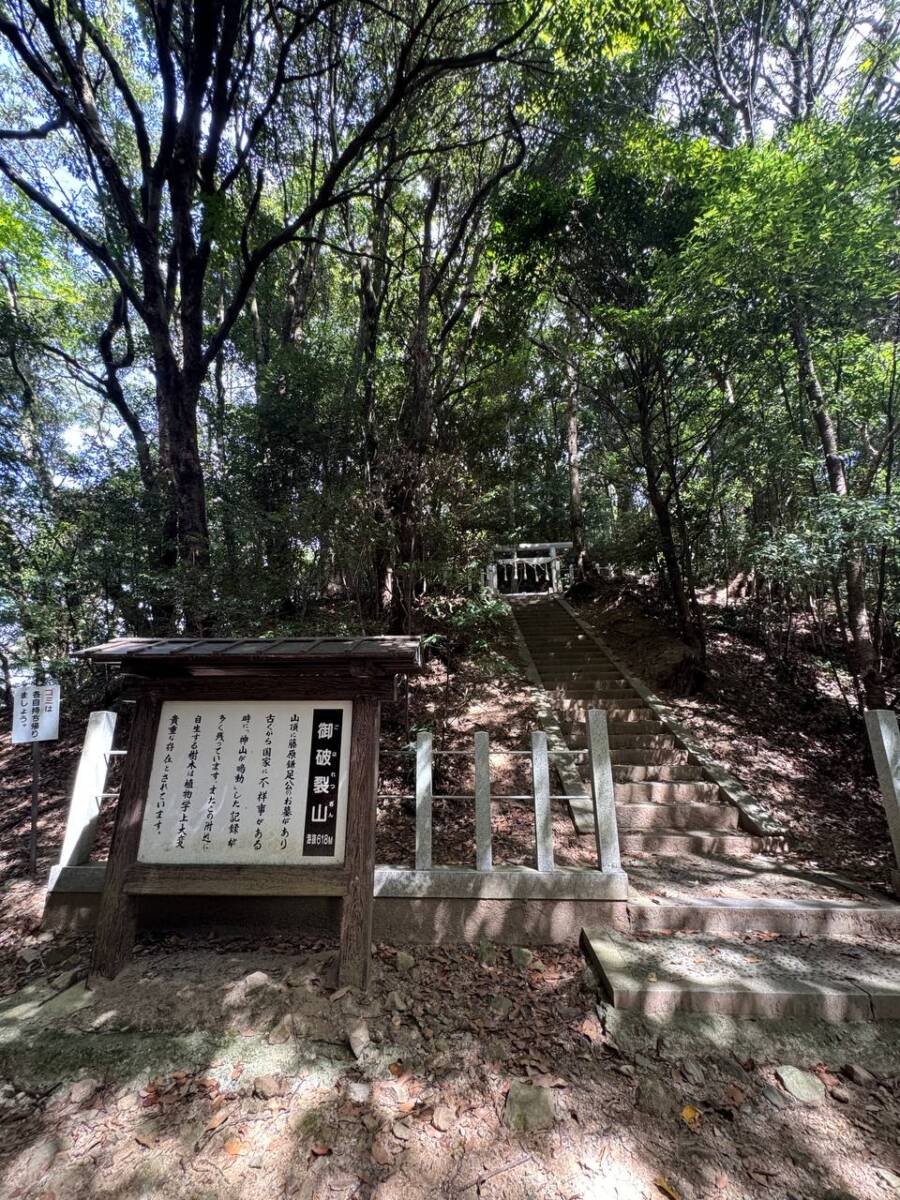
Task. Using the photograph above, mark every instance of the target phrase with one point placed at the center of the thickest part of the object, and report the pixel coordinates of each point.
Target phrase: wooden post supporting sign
(251, 771)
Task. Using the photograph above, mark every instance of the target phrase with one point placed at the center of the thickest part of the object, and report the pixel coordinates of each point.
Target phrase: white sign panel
(35, 713)
(261, 782)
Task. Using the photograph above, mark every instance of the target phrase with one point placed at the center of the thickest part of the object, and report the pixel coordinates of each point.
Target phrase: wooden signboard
(251, 770)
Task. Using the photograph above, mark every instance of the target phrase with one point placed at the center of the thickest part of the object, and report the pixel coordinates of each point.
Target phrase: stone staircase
(720, 928)
(664, 804)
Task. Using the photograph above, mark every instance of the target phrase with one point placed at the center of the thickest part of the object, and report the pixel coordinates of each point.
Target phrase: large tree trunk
(690, 620)
(687, 611)
(415, 427)
(576, 506)
(178, 400)
(865, 658)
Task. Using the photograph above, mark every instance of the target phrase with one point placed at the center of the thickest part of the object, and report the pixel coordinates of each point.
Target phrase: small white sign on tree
(35, 713)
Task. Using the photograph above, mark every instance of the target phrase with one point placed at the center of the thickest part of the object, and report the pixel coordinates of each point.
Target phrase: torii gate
(510, 566)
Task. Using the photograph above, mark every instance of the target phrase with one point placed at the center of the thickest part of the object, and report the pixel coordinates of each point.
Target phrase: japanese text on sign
(227, 783)
(35, 713)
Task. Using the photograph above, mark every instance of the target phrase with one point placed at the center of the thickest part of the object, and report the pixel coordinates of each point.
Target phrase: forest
(307, 304)
(311, 311)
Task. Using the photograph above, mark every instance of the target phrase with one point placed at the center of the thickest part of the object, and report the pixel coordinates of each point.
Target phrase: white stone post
(543, 818)
(87, 794)
(884, 738)
(424, 790)
(483, 856)
(603, 794)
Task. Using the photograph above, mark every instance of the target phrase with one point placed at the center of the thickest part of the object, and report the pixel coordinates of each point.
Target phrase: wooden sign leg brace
(354, 882)
(117, 919)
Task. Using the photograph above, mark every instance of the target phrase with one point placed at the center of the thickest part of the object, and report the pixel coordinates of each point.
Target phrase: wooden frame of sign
(361, 671)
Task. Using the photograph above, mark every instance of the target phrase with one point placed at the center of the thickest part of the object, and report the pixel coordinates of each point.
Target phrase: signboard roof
(387, 654)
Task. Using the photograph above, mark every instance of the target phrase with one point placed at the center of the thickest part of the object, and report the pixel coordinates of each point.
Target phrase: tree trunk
(415, 427)
(178, 401)
(576, 507)
(689, 619)
(690, 625)
(864, 655)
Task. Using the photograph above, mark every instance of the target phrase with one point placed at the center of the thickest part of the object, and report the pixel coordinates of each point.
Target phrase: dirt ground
(229, 1066)
(235, 1069)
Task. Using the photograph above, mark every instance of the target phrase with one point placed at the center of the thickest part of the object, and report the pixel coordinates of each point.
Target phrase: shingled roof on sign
(388, 654)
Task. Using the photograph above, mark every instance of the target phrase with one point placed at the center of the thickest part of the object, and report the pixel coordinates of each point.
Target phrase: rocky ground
(237, 1069)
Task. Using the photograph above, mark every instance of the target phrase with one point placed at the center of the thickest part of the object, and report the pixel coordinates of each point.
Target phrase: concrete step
(642, 741)
(636, 817)
(568, 642)
(554, 674)
(685, 773)
(569, 648)
(623, 728)
(599, 697)
(576, 711)
(693, 791)
(672, 842)
(806, 918)
(610, 686)
(817, 979)
(575, 662)
(587, 685)
(644, 758)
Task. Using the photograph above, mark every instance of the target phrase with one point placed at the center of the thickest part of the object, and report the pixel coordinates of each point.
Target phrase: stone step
(685, 773)
(642, 741)
(597, 696)
(566, 648)
(576, 711)
(623, 728)
(673, 842)
(554, 673)
(780, 978)
(637, 817)
(644, 757)
(577, 663)
(587, 687)
(816, 918)
(581, 675)
(694, 791)
(588, 691)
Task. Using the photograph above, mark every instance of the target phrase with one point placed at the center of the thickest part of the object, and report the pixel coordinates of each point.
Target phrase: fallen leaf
(591, 1029)
(234, 1146)
(216, 1120)
(339, 994)
(666, 1188)
(690, 1115)
(143, 1140)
